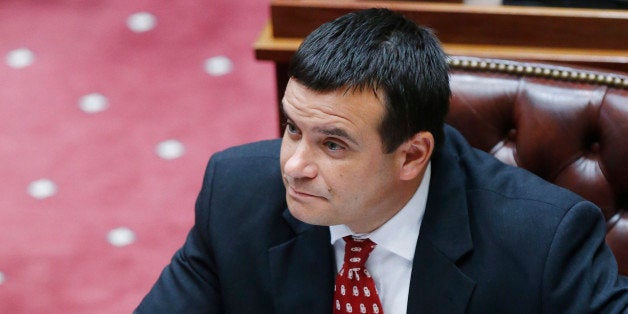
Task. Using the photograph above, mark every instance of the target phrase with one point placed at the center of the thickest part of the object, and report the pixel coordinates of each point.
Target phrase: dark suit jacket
(494, 239)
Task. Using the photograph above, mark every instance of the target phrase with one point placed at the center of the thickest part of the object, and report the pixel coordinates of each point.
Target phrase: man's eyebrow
(283, 113)
(329, 132)
(336, 132)
(281, 109)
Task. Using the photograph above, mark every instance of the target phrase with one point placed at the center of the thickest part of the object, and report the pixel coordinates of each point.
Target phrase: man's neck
(406, 189)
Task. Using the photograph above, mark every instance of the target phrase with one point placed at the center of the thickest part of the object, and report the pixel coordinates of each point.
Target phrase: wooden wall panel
(467, 24)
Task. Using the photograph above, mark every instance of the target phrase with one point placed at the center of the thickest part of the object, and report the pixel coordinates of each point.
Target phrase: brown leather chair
(567, 125)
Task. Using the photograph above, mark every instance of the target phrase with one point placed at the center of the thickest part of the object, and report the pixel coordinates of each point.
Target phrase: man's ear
(415, 154)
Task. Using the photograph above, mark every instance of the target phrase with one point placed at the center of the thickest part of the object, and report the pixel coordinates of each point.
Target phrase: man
(369, 204)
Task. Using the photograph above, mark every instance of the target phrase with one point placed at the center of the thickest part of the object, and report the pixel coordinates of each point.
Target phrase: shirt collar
(400, 233)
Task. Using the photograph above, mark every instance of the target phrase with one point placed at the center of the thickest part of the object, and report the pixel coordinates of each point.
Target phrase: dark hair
(380, 49)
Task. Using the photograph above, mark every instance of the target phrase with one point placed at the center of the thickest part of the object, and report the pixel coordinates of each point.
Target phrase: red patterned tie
(355, 291)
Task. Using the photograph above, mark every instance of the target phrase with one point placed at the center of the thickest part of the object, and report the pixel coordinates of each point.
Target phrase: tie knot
(357, 251)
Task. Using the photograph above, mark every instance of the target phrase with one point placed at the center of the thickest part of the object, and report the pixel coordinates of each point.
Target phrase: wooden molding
(280, 50)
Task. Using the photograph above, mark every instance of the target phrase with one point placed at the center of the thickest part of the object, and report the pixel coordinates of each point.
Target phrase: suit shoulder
(486, 174)
(253, 163)
(261, 149)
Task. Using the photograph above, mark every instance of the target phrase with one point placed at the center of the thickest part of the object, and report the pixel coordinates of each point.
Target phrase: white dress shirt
(390, 263)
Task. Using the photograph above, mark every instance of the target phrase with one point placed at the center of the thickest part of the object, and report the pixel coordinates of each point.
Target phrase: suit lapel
(437, 285)
(302, 270)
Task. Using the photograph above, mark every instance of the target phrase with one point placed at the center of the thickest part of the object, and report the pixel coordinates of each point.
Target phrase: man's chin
(307, 215)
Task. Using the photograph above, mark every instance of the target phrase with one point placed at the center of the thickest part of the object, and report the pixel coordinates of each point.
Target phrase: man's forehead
(349, 96)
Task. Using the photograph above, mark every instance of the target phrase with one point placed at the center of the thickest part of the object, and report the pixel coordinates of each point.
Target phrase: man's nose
(301, 164)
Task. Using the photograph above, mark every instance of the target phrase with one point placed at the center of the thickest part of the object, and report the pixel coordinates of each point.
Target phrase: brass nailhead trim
(515, 68)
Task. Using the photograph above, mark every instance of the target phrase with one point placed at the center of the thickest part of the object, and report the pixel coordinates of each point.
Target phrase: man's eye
(291, 128)
(333, 146)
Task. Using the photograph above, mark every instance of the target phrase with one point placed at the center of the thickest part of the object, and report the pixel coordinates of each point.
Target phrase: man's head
(378, 49)
(365, 106)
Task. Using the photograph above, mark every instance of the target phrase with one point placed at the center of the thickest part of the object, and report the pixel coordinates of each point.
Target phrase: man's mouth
(297, 193)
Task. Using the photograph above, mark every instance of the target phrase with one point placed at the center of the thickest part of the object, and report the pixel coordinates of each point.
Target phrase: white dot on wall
(42, 188)
(93, 103)
(2, 278)
(170, 149)
(219, 65)
(20, 58)
(141, 22)
(121, 237)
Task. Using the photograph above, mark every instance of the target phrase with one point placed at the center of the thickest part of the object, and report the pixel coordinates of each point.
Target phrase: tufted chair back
(567, 125)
